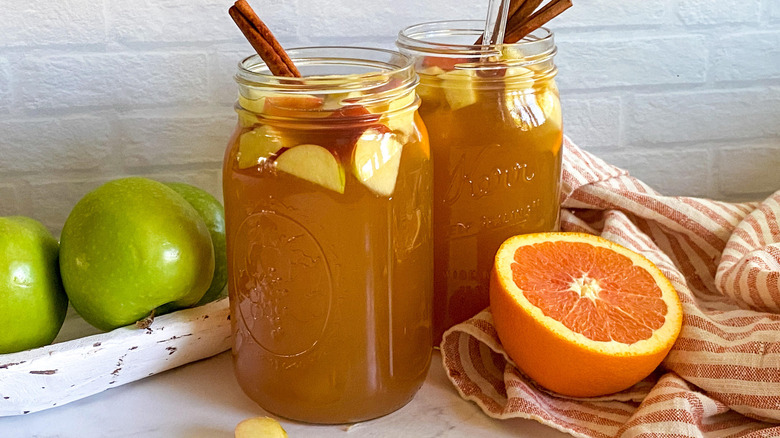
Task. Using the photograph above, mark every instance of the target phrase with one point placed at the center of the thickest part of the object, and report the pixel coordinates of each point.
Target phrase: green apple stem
(145, 323)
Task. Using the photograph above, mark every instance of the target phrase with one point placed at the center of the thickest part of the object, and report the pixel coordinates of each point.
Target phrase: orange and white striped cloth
(721, 379)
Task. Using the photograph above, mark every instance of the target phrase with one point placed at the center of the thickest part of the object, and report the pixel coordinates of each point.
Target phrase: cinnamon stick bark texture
(524, 18)
(525, 10)
(262, 40)
(536, 20)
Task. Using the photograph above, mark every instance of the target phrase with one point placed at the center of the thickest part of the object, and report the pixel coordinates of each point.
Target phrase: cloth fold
(722, 377)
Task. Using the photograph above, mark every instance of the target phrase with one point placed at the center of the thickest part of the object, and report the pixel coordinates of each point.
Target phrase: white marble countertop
(203, 400)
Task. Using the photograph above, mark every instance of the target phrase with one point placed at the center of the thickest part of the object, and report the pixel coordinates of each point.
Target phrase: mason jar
(494, 118)
(328, 199)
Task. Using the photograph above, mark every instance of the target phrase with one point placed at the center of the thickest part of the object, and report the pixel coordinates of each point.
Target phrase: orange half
(581, 315)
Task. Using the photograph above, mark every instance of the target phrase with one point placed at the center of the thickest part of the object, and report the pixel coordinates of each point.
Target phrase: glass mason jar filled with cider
(494, 119)
(328, 198)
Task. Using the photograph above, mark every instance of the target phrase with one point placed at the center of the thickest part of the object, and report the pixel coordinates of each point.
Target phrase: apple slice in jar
(246, 119)
(261, 102)
(376, 160)
(345, 126)
(397, 117)
(458, 86)
(530, 104)
(518, 78)
(429, 89)
(313, 163)
(431, 70)
(284, 104)
(258, 145)
(393, 113)
(252, 99)
(335, 101)
(549, 101)
(441, 62)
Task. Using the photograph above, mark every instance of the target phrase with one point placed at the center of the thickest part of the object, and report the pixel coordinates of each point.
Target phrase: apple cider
(494, 119)
(328, 199)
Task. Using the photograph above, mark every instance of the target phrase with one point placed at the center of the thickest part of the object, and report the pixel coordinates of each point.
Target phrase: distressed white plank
(57, 374)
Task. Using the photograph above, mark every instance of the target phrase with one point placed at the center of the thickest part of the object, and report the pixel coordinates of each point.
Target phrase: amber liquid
(496, 174)
(330, 294)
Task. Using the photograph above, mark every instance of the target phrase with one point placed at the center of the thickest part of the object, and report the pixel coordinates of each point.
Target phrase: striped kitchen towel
(721, 379)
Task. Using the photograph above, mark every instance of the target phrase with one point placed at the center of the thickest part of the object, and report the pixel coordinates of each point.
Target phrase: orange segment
(581, 315)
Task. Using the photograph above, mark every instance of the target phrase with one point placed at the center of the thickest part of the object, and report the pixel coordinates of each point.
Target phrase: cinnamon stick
(524, 18)
(536, 20)
(515, 5)
(262, 40)
(524, 11)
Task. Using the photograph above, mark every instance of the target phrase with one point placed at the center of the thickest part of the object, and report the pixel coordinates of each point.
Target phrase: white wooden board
(63, 372)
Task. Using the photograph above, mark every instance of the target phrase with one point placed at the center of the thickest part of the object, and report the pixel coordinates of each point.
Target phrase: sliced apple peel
(376, 160)
(315, 164)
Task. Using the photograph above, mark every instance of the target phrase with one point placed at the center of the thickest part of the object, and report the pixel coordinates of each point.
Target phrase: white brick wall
(683, 93)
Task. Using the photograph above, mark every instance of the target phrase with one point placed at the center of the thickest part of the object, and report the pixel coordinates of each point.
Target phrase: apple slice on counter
(260, 427)
(257, 145)
(314, 164)
(458, 86)
(376, 160)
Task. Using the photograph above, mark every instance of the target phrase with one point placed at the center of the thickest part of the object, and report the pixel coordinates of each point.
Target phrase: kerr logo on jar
(486, 174)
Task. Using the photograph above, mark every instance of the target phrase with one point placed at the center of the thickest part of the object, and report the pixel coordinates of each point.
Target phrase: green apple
(314, 164)
(377, 159)
(132, 246)
(32, 301)
(212, 212)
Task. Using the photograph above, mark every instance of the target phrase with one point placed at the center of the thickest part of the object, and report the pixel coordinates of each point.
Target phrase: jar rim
(420, 38)
(370, 65)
